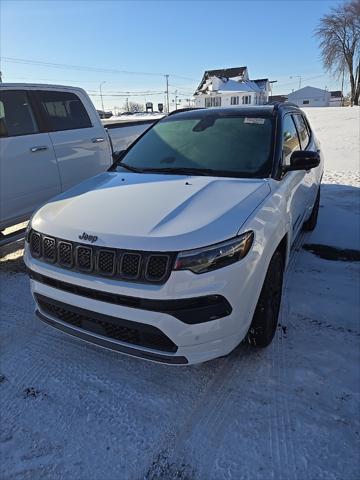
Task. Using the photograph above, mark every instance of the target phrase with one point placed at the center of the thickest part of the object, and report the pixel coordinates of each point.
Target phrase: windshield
(207, 143)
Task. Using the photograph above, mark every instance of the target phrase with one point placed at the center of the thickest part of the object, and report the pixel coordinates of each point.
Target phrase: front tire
(265, 319)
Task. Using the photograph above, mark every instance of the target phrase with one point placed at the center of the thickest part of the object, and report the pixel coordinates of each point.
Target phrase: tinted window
(64, 111)
(290, 138)
(235, 145)
(16, 115)
(302, 130)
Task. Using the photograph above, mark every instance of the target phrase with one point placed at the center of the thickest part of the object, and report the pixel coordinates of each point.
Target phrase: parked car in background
(124, 130)
(51, 138)
(104, 115)
(178, 252)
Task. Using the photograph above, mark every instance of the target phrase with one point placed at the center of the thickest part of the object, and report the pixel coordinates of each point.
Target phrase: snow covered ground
(338, 130)
(70, 410)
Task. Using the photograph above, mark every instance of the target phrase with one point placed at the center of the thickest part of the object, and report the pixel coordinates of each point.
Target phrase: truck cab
(51, 138)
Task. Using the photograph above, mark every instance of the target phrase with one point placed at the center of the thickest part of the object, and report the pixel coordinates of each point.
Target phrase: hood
(155, 212)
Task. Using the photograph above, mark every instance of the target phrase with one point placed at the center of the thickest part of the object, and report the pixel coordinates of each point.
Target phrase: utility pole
(167, 93)
(102, 101)
(0, 77)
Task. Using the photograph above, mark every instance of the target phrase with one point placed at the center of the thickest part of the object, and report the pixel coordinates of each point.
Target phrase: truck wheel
(310, 224)
(264, 322)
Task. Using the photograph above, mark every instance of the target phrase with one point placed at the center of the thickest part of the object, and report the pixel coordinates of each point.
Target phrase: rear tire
(264, 322)
(310, 224)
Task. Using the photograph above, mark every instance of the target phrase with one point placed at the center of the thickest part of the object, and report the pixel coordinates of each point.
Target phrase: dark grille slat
(134, 266)
(130, 265)
(157, 267)
(84, 258)
(49, 249)
(65, 252)
(106, 262)
(35, 244)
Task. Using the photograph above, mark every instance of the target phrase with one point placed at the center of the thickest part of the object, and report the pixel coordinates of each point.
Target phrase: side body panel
(82, 153)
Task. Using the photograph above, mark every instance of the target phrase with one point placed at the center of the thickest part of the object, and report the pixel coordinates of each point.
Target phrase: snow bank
(338, 130)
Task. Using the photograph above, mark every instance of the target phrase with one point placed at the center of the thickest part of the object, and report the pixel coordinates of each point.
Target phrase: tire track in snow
(207, 424)
(177, 450)
(280, 427)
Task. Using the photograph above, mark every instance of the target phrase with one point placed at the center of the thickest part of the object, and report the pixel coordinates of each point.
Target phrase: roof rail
(278, 104)
(187, 109)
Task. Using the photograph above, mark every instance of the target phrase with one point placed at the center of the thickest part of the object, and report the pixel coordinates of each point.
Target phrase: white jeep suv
(177, 253)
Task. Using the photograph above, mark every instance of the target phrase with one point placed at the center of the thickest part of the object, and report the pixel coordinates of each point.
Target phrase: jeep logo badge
(87, 237)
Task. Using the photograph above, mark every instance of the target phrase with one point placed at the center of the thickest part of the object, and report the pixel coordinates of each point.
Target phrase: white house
(310, 97)
(230, 87)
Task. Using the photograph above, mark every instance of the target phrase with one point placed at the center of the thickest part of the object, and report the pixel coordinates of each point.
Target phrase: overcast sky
(274, 39)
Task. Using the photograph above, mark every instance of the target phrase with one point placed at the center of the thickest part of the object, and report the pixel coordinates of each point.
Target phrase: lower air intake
(107, 326)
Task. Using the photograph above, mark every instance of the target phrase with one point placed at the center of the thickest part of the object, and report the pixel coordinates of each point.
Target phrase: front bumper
(195, 341)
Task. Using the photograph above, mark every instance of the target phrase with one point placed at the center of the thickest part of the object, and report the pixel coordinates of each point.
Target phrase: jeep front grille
(144, 267)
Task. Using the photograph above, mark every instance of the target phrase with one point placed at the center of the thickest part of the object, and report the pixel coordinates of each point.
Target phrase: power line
(133, 94)
(66, 66)
(302, 79)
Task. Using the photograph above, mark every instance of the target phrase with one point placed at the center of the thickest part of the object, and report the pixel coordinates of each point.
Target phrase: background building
(230, 87)
(310, 97)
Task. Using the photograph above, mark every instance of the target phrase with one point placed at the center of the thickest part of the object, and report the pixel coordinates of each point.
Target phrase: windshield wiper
(198, 171)
(182, 170)
(129, 167)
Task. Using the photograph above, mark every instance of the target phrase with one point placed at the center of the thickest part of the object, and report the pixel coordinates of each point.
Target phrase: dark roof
(220, 111)
(263, 110)
(336, 93)
(278, 98)
(222, 72)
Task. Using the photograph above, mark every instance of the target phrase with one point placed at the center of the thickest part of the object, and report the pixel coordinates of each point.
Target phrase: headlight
(216, 256)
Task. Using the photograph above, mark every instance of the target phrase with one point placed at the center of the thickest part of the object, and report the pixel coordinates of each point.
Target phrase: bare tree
(339, 38)
(133, 107)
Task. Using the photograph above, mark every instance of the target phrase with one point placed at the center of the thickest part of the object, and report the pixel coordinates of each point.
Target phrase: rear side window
(63, 110)
(303, 131)
(290, 138)
(16, 115)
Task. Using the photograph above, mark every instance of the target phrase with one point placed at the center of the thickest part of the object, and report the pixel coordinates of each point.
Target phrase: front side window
(64, 110)
(303, 131)
(305, 102)
(234, 101)
(16, 115)
(212, 143)
(290, 139)
(246, 99)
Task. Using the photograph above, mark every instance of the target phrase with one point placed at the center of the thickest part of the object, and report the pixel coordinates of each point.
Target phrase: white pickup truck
(51, 138)
(177, 253)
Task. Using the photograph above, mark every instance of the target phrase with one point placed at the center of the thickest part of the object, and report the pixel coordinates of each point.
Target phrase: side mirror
(302, 160)
(117, 156)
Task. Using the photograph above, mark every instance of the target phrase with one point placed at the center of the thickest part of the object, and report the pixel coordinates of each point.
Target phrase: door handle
(97, 140)
(38, 148)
